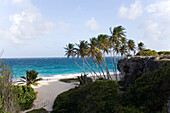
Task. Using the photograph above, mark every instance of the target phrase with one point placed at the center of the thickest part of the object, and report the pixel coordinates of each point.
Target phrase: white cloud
(158, 25)
(92, 24)
(159, 8)
(132, 12)
(27, 24)
(152, 30)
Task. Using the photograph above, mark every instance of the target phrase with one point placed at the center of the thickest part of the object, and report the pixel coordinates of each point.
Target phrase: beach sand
(48, 90)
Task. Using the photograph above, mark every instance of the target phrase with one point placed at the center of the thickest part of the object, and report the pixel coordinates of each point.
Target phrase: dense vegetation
(147, 52)
(149, 94)
(151, 91)
(69, 80)
(41, 110)
(8, 97)
(26, 96)
(100, 96)
(164, 52)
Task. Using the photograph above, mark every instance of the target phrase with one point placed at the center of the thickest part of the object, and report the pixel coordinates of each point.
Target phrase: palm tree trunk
(101, 69)
(79, 66)
(90, 67)
(97, 67)
(115, 65)
(104, 61)
(112, 62)
(83, 63)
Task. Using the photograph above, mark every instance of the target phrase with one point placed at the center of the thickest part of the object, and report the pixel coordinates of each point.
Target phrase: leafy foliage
(122, 109)
(26, 96)
(141, 46)
(96, 97)
(98, 47)
(41, 110)
(31, 78)
(8, 97)
(69, 80)
(150, 91)
(83, 79)
(147, 52)
(164, 52)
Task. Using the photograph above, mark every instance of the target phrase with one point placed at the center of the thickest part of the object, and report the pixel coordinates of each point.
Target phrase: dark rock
(133, 68)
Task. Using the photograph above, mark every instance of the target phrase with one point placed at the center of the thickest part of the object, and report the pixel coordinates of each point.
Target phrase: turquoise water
(49, 67)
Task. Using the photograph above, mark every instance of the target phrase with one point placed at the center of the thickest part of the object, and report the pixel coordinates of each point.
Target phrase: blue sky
(42, 28)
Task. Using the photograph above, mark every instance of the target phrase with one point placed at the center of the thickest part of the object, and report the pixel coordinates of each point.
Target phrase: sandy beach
(48, 90)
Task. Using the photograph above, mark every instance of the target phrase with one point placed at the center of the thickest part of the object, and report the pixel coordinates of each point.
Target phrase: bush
(164, 52)
(96, 97)
(41, 110)
(122, 109)
(147, 52)
(26, 96)
(150, 91)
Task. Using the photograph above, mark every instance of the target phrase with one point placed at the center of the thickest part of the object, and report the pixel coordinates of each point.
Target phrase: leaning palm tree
(103, 45)
(82, 51)
(31, 78)
(130, 46)
(141, 46)
(117, 38)
(70, 52)
(123, 50)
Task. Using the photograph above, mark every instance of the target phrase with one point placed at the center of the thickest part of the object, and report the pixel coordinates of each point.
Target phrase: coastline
(47, 91)
(49, 88)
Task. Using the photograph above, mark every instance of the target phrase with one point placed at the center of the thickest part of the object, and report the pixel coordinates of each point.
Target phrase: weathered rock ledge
(134, 67)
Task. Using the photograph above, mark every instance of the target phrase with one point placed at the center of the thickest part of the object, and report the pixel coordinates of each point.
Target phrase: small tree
(8, 95)
(31, 78)
(141, 46)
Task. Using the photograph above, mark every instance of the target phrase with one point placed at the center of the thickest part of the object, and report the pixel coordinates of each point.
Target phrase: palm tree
(103, 45)
(131, 45)
(92, 51)
(31, 78)
(70, 52)
(82, 51)
(123, 50)
(141, 46)
(117, 38)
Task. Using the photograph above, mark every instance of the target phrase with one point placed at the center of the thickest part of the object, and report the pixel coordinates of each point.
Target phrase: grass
(41, 110)
(69, 80)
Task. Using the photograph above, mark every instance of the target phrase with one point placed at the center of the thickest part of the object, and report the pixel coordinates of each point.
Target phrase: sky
(42, 28)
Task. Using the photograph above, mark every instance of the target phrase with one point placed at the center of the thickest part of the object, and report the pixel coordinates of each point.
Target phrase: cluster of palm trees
(115, 45)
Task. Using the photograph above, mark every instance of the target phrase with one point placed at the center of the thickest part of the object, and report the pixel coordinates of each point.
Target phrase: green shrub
(150, 91)
(147, 52)
(0, 104)
(122, 109)
(96, 97)
(164, 52)
(69, 80)
(41, 110)
(26, 96)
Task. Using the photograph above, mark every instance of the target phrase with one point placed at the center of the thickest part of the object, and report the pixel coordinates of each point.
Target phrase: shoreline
(48, 90)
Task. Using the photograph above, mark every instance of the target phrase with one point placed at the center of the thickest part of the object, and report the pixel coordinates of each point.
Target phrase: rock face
(133, 68)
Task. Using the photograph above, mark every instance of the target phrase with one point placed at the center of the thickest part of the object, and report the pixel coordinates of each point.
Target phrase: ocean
(50, 67)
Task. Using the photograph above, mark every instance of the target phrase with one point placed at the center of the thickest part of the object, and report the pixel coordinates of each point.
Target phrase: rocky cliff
(133, 68)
